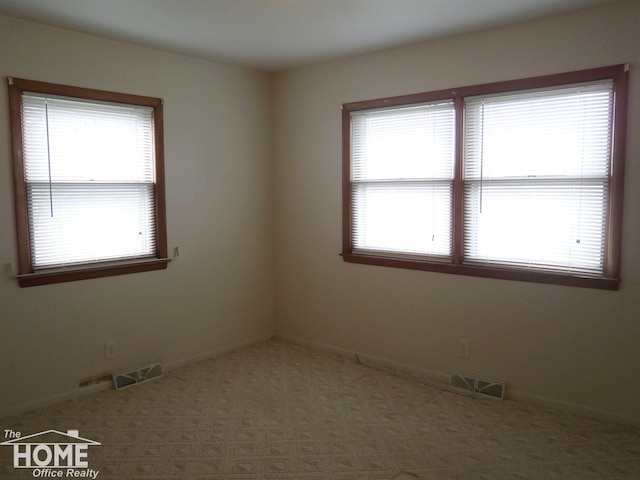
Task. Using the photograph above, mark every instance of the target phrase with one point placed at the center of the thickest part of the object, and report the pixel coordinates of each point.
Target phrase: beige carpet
(281, 411)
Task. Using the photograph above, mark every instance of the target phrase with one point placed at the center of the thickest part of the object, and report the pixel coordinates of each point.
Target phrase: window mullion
(458, 183)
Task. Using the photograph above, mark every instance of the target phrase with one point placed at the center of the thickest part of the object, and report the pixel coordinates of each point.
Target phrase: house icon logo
(49, 450)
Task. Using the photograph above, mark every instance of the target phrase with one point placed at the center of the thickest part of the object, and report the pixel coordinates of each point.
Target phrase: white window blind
(401, 179)
(536, 175)
(89, 170)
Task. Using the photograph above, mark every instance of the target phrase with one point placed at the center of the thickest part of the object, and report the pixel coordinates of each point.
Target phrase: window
(516, 180)
(88, 182)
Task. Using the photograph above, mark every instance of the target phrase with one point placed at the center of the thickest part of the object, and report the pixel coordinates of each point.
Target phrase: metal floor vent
(469, 382)
(144, 374)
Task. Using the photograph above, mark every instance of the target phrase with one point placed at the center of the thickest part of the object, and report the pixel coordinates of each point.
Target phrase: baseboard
(443, 378)
(54, 399)
(215, 353)
(406, 369)
(107, 385)
(573, 408)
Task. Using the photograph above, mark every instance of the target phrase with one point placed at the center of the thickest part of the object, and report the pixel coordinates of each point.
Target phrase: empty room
(320, 239)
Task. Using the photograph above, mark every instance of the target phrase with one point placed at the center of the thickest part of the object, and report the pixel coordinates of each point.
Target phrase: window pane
(536, 179)
(79, 141)
(554, 225)
(412, 218)
(402, 173)
(564, 132)
(90, 223)
(414, 142)
(89, 168)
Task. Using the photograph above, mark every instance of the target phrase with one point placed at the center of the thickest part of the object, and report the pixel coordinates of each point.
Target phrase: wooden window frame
(610, 280)
(27, 276)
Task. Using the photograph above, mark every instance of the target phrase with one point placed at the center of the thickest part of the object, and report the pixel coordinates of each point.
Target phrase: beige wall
(563, 344)
(219, 294)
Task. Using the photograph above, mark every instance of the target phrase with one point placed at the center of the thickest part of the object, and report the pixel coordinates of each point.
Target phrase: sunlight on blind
(89, 168)
(536, 179)
(402, 173)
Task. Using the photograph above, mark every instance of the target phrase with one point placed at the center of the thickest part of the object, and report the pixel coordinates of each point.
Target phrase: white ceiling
(273, 35)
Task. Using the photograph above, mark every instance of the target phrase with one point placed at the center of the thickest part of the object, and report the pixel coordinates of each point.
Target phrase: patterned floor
(281, 411)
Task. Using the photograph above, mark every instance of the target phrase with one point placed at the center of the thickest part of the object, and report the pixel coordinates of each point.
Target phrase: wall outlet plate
(110, 349)
(463, 348)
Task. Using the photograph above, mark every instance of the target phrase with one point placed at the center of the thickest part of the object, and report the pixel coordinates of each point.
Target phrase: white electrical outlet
(463, 348)
(110, 349)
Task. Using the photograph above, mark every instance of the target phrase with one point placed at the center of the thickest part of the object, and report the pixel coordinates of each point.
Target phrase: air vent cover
(469, 382)
(141, 375)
